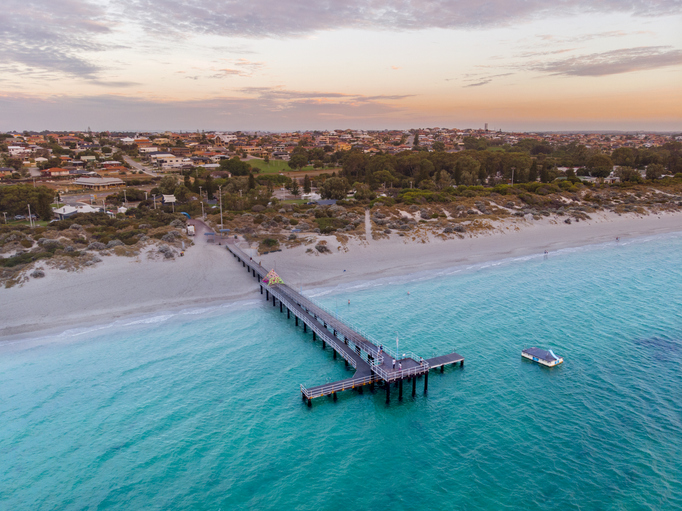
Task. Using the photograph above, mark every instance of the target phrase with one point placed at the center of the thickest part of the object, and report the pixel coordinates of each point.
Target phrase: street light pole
(220, 191)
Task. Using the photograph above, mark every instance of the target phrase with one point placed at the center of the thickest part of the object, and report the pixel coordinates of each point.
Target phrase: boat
(544, 357)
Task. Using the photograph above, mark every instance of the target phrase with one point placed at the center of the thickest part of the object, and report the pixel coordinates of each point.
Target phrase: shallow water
(201, 409)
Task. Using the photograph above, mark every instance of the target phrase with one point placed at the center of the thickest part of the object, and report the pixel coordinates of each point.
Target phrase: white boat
(544, 357)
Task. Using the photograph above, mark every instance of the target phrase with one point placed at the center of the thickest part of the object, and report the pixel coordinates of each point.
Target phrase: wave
(425, 275)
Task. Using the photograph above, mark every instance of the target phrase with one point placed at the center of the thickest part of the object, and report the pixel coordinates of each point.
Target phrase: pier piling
(400, 390)
(414, 386)
(426, 382)
(388, 392)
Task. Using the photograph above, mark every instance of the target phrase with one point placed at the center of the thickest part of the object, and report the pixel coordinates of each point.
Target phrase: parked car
(19, 217)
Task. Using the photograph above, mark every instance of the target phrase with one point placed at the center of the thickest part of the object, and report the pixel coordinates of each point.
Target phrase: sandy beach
(121, 286)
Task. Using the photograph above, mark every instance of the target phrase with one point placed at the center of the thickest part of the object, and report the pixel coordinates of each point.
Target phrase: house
(18, 151)
(55, 172)
(69, 211)
(98, 183)
(114, 168)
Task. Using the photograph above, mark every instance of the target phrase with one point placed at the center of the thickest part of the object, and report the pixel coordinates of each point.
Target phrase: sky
(284, 65)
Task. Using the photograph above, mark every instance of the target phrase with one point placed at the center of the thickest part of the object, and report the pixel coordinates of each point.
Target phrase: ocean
(201, 409)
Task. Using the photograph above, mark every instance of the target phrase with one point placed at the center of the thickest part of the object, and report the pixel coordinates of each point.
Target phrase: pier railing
(349, 324)
(330, 388)
(317, 328)
(401, 373)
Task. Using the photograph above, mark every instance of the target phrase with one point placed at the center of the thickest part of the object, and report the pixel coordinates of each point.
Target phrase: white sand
(207, 273)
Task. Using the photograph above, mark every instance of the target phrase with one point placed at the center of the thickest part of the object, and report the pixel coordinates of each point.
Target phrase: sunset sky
(294, 65)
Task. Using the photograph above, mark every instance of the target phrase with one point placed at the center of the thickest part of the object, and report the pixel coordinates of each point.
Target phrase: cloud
(613, 62)
(53, 35)
(477, 79)
(262, 108)
(589, 37)
(478, 84)
(293, 18)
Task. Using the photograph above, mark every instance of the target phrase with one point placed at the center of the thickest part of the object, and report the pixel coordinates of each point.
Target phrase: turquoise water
(201, 409)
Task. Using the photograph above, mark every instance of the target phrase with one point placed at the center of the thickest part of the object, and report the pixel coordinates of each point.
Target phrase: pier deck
(372, 363)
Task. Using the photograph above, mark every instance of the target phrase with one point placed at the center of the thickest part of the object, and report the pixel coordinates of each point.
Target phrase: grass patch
(272, 167)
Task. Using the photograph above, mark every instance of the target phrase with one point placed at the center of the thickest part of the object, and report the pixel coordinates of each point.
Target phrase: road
(138, 166)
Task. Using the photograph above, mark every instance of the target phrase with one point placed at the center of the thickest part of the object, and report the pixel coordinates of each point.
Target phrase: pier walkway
(372, 362)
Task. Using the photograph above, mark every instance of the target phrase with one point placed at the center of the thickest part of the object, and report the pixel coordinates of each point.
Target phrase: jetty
(373, 362)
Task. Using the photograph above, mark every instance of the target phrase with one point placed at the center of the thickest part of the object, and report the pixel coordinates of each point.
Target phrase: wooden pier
(373, 363)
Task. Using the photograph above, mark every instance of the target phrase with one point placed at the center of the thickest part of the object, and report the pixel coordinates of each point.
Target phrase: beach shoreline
(121, 287)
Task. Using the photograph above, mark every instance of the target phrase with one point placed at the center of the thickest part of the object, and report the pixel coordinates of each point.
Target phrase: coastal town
(322, 192)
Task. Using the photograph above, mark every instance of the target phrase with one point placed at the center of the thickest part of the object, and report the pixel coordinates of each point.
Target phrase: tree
(533, 172)
(306, 184)
(298, 160)
(294, 188)
(438, 146)
(252, 182)
(334, 188)
(623, 156)
(599, 165)
(266, 158)
(168, 184)
(235, 166)
(14, 200)
(210, 186)
(628, 174)
(654, 171)
(181, 193)
(466, 171)
(544, 174)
